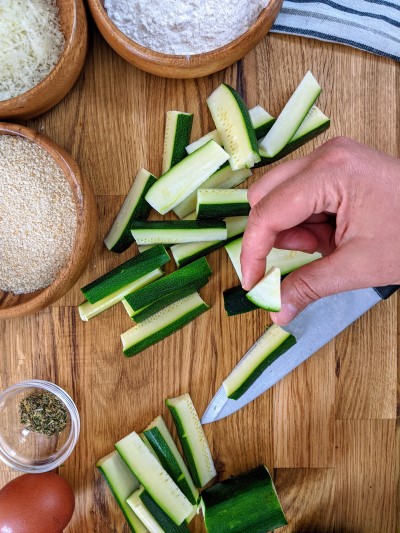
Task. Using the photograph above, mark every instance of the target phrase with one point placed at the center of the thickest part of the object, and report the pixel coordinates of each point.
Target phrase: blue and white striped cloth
(371, 25)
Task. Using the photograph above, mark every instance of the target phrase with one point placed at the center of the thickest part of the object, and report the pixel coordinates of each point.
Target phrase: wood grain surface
(328, 430)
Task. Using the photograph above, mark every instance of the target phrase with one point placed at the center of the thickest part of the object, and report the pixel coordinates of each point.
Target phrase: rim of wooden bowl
(52, 89)
(180, 66)
(22, 305)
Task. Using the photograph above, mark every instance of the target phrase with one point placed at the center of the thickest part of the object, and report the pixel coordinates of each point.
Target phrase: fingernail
(285, 315)
(245, 280)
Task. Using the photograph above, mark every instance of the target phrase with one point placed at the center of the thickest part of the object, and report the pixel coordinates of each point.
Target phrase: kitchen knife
(314, 327)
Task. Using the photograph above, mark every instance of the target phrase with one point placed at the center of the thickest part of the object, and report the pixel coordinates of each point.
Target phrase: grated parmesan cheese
(31, 42)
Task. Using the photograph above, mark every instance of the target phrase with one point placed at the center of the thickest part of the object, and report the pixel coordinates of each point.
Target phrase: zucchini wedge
(122, 483)
(224, 178)
(214, 204)
(193, 439)
(267, 292)
(210, 136)
(88, 310)
(233, 122)
(147, 469)
(177, 231)
(165, 448)
(244, 503)
(188, 275)
(286, 260)
(178, 128)
(272, 344)
(130, 271)
(184, 254)
(135, 207)
(185, 177)
(162, 324)
(291, 116)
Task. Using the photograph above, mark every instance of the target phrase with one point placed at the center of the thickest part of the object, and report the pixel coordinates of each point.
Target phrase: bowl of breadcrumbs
(48, 221)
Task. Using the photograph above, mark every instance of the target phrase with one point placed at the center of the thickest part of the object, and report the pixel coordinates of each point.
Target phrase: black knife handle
(385, 292)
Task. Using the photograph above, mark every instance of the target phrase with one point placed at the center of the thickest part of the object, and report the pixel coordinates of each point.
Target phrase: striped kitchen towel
(371, 25)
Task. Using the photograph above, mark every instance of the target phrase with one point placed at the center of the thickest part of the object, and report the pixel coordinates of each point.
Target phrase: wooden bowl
(176, 66)
(60, 80)
(12, 305)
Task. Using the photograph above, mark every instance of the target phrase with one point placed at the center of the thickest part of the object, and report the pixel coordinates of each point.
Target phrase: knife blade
(314, 327)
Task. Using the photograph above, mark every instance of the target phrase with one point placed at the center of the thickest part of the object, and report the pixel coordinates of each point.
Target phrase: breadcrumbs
(38, 216)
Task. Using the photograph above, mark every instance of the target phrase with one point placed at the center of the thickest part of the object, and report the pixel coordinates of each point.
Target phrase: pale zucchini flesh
(157, 482)
(267, 292)
(214, 204)
(246, 503)
(88, 310)
(141, 511)
(210, 136)
(178, 127)
(193, 439)
(178, 231)
(162, 519)
(271, 345)
(232, 120)
(185, 177)
(291, 116)
(162, 324)
(168, 454)
(134, 207)
(224, 178)
(122, 483)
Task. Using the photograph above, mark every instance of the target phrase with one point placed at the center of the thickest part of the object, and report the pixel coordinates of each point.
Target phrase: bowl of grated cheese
(183, 38)
(48, 221)
(43, 48)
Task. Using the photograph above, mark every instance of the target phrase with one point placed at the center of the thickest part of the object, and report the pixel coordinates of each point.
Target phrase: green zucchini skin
(219, 211)
(169, 299)
(181, 125)
(160, 516)
(293, 145)
(243, 504)
(140, 211)
(188, 275)
(236, 303)
(131, 270)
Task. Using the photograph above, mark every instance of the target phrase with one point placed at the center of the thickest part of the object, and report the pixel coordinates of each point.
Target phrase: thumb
(323, 277)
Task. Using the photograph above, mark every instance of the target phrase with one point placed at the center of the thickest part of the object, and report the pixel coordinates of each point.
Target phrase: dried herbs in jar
(43, 413)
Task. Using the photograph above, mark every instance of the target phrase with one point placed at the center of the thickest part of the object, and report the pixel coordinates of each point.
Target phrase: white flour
(183, 27)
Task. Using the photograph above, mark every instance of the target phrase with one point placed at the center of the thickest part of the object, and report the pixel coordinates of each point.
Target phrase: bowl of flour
(183, 38)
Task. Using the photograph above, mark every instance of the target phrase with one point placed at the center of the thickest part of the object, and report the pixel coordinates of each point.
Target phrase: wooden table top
(327, 431)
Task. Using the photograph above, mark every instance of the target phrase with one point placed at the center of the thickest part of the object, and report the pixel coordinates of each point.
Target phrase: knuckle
(304, 292)
(336, 151)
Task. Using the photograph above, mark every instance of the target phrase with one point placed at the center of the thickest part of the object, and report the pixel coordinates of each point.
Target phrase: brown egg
(36, 503)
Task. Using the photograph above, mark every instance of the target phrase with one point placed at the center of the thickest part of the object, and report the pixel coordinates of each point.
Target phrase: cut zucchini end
(267, 292)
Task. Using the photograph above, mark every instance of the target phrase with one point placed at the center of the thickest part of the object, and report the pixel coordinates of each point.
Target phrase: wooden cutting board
(327, 431)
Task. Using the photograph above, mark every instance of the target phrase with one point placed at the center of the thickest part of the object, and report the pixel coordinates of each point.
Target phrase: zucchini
(178, 128)
(149, 310)
(186, 253)
(164, 446)
(135, 207)
(291, 116)
(147, 469)
(214, 204)
(88, 310)
(224, 178)
(162, 324)
(232, 120)
(267, 292)
(188, 275)
(193, 439)
(236, 303)
(185, 177)
(272, 344)
(177, 231)
(314, 124)
(132, 270)
(244, 503)
(122, 483)
(286, 260)
(261, 120)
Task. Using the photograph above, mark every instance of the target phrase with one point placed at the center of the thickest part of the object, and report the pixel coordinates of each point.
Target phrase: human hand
(342, 200)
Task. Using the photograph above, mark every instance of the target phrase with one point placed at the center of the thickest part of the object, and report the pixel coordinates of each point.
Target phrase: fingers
(323, 277)
(285, 207)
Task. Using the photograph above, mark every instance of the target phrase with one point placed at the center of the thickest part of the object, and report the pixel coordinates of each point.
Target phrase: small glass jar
(30, 451)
